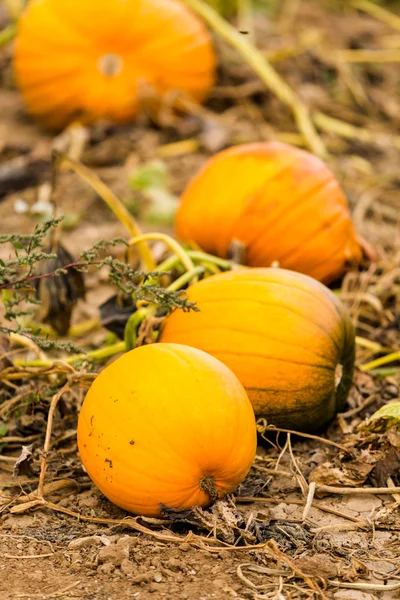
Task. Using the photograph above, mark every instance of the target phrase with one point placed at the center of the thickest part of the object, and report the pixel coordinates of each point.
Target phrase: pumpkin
(282, 203)
(286, 336)
(166, 425)
(94, 59)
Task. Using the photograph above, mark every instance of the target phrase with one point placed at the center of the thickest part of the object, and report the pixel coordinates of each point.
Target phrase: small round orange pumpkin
(166, 425)
(282, 203)
(91, 59)
(286, 336)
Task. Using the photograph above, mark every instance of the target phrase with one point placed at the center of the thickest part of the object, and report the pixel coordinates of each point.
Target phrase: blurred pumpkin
(282, 203)
(166, 425)
(87, 60)
(286, 336)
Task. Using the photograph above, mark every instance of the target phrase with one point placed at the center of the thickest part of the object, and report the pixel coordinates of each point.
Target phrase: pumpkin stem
(110, 65)
(207, 485)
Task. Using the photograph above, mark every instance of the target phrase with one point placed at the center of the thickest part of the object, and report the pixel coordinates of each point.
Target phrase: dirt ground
(265, 541)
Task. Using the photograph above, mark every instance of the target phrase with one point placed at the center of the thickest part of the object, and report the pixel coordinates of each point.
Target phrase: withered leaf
(59, 294)
(115, 312)
(351, 473)
(23, 463)
(388, 466)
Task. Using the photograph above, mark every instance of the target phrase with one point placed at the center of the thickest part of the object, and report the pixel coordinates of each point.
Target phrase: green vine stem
(370, 345)
(264, 70)
(206, 260)
(168, 241)
(98, 355)
(133, 323)
(384, 360)
(186, 278)
(114, 203)
(7, 34)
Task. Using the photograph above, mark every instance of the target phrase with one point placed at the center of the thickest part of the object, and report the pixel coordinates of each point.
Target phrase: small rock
(185, 547)
(115, 553)
(224, 554)
(106, 569)
(219, 583)
(157, 577)
(86, 542)
(88, 502)
(127, 567)
(142, 578)
(175, 564)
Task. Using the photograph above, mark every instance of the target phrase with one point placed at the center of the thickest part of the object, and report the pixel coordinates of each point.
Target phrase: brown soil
(226, 551)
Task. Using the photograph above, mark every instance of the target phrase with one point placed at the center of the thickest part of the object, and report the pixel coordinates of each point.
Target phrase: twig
(377, 11)
(46, 447)
(354, 411)
(391, 485)
(310, 498)
(386, 55)
(272, 548)
(306, 435)
(48, 488)
(346, 491)
(25, 556)
(264, 70)
(377, 587)
(348, 131)
(323, 508)
(300, 477)
(51, 595)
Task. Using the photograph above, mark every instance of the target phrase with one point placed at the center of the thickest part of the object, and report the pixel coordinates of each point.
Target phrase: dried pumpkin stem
(207, 485)
(114, 203)
(264, 70)
(384, 360)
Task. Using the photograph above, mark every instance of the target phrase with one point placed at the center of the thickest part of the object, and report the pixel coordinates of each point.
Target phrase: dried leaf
(352, 473)
(388, 466)
(115, 312)
(23, 463)
(59, 294)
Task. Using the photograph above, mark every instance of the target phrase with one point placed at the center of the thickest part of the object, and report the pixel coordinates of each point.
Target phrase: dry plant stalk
(265, 71)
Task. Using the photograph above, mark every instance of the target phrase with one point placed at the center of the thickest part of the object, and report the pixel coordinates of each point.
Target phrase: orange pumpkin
(285, 335)
(93, 59)
(283, 204)
(166, 425)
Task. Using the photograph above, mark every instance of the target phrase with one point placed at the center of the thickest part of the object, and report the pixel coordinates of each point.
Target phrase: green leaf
(3, 429)
(18, 245)
(389, 412)
(150, 175)
(2, 263)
